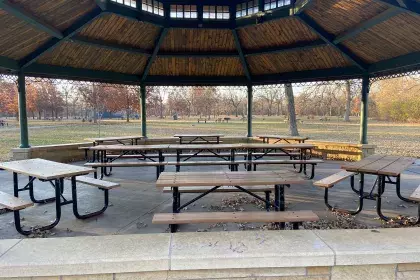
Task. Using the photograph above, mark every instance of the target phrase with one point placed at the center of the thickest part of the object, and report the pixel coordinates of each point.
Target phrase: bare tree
(235, 99)
(67, 90)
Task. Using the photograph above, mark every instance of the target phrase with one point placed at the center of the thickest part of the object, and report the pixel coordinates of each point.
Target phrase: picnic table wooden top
(380, 165)
(104, 139)
(198, 135)
(285, 137)
(242, 178)
(129, 147)
(44, 169)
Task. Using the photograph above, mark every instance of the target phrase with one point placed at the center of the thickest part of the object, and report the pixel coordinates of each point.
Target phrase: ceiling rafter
(152, 58)
(359, 28)
(40, 70)
(241, 55)
(301, 46)
(411, 6)
(329, 39)
(54, 42)
(24, 15)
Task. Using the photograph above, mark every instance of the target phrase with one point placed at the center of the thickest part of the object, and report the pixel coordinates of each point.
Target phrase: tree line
(390, 100)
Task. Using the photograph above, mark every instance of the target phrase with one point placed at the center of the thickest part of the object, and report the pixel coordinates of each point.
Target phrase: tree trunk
(67, 107)
(161, 108)
(95, 115)
(128, 109)
(293, 130)
(348, 102)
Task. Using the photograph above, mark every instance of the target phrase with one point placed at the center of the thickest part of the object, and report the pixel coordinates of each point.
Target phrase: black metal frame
(380, 184)
(267, 140)
(279, 201)
(59, 199)
(196, 138)
(302, 166)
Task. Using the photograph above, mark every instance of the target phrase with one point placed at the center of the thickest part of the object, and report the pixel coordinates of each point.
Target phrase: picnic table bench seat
(223, 189)
(330, 181)
(294, 217)
(105, 165)
(301, 162)
(13, 203)
(140, 156)
(100, 184)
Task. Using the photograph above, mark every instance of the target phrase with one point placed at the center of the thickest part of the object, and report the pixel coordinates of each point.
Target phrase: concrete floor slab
(132, 206)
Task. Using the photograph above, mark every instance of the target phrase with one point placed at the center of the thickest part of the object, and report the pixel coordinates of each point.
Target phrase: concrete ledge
(253, 255)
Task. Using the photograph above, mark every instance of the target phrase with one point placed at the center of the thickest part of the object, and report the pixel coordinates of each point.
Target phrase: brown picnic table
(204, 150)
(214, 180)
(199, 138)
(45, 171)
(119, 139)
(285, 138)
(387, 169)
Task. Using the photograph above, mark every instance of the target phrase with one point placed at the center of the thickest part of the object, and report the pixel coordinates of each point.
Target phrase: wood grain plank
(234, 217)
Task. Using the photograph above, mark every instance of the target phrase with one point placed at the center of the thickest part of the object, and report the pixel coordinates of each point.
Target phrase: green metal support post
(23, 119)
(364, 110)
(250, 101)
(143, 110)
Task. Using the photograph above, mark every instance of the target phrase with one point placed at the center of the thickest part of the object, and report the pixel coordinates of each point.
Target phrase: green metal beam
(302, 46)
(241, 55)
(54, 42)
(328, 38)
(302, 5)
(249, 110)
(8, 64)
(359, 28)
(24, 15)
(272, 50)
(310, 76)
(23, 118)
(410, 6)
(79, 74)
(156, 80)
(102, 4)
(143, 98)
(152, 58)
(396, 63)
(364, 110)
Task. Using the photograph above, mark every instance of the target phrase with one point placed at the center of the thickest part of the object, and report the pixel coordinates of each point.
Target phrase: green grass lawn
(391, 138)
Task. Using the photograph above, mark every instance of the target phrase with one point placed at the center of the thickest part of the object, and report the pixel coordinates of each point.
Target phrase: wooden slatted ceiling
(317, 58)
(275, 33)
(397, 36)
(338, 16)
(197, 67)
(59, 13)
(17, 38)
(89, 57)
(123, 31)
(179, 40)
